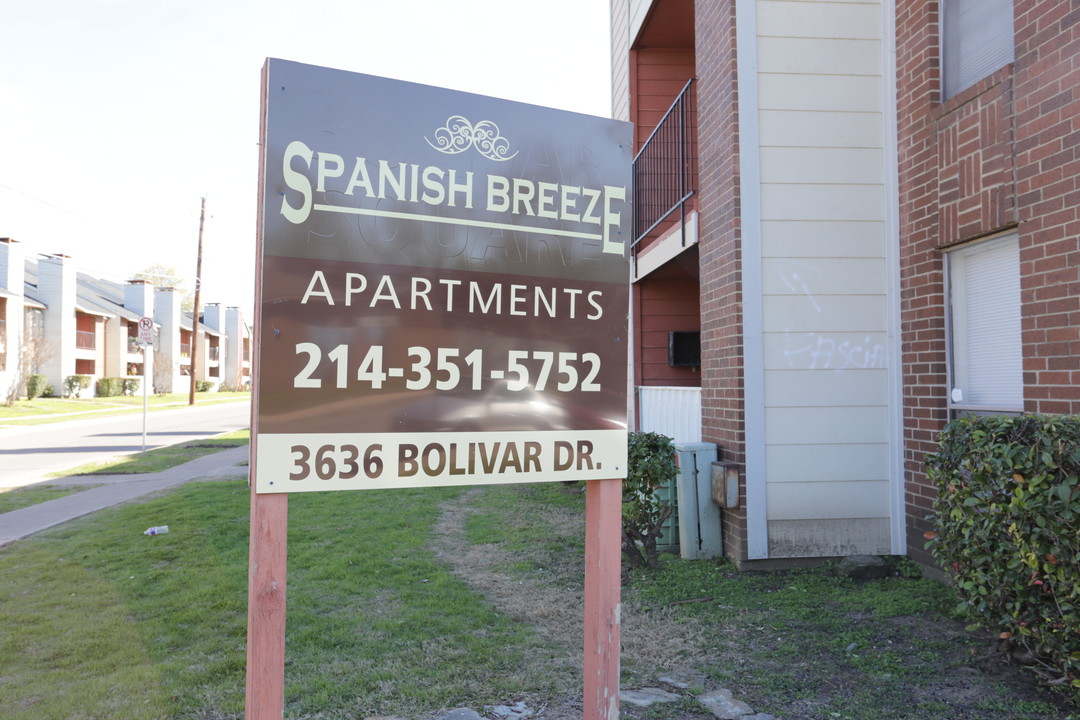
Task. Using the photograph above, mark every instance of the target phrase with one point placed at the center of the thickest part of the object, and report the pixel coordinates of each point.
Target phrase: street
(29, 454)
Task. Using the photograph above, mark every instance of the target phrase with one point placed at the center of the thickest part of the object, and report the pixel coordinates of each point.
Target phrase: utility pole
(195, 314)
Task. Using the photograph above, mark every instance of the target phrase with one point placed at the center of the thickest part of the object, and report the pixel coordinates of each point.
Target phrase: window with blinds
(976, 40)
(984, 300)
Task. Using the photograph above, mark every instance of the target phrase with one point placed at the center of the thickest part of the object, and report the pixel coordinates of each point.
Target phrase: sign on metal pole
(146, 331)
(145, 340)
(443, 288)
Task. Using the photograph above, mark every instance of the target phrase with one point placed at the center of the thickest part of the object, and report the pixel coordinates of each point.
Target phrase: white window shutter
(977, 39)
(987, 354)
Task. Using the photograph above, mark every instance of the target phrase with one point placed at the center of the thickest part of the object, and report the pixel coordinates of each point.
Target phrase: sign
(443, 288)
(146, 331)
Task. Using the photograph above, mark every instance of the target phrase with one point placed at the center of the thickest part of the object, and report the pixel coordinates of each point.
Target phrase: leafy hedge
(75, 384)
(650, 464)
(1008, 531)
(115, 386)
(37, 386)
(109, 387)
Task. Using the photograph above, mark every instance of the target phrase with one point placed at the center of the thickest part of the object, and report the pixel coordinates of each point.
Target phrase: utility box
(700, 533)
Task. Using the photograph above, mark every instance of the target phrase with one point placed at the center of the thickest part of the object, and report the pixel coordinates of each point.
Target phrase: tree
(33, 353)
(163, 276)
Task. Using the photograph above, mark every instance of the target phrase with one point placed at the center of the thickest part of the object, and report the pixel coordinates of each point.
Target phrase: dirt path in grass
(541, 584)
(553, 606)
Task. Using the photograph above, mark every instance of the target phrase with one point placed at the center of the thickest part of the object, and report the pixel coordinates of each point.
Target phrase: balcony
(214, 354)
(665, 169)
(85, 340)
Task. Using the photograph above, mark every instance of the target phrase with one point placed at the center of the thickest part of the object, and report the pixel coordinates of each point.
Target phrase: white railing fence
(671, 411)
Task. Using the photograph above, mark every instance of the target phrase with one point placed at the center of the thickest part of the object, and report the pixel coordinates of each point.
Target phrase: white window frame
(986, 326)
(977, 38)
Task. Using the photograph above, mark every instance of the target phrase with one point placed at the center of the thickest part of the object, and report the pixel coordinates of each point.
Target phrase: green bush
(1007, 532)
(36, 386)
(131, 386)
(203, 385)
(75, 384)
(650, 464)
(108, 387)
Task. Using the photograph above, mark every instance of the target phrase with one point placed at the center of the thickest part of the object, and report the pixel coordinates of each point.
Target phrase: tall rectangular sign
(443, 291)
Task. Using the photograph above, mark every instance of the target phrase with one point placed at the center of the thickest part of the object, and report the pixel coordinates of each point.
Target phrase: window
(976, 40)
(986, 358)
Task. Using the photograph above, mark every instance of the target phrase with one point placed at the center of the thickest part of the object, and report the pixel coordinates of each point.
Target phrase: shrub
(75, 384)
(650, 464)
(131, 386)
(36, 386)
(1007, 531)
(231, 387)
(203, 385)
(108, 387)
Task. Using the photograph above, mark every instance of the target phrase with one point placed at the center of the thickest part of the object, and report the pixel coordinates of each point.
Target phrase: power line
(45, 202)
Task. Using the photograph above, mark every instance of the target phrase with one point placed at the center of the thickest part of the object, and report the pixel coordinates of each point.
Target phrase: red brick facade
(999, 155)
(722, 403)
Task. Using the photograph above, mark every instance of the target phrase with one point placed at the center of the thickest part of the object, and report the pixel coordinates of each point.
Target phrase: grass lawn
(47, 410)
(99, 621)
(407, 602)
(18, 498)
(160, 459)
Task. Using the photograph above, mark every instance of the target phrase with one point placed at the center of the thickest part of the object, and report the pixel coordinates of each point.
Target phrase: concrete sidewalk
(113, 490)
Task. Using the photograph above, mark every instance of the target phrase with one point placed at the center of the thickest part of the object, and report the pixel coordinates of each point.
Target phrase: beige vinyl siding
(620, 59)
(813, 350)
(638, 11)
(847, 239)
(823, 264)
(816, 128)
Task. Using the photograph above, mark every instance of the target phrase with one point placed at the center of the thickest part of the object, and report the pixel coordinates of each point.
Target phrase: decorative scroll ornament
(458, 135)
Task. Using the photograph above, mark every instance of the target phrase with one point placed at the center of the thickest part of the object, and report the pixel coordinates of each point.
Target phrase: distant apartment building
(59, 322)
(865, 216)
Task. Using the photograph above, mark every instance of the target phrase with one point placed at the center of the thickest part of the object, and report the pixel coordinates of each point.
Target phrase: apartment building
(865, 212)
(59, 322)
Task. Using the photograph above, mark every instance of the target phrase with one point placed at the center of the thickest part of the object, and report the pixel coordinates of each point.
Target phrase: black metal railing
(665, 169)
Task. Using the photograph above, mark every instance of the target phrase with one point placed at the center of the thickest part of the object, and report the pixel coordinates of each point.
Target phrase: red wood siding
(657, 76)
(667, 300)
(84, 322)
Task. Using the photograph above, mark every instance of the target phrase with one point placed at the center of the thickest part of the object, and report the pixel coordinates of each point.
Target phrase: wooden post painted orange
(265, 699)
(603, 569)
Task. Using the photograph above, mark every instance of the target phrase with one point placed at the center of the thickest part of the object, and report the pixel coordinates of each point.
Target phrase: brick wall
(1001, 154)
(1047, 118)
(720, 236)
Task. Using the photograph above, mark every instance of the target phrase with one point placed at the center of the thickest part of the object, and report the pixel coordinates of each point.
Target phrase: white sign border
(440, 459)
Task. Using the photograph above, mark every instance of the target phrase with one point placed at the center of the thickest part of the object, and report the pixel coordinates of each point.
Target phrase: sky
(118, 116)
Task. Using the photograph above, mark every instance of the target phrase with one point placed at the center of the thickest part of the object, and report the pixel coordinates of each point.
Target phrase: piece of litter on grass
(851, 647)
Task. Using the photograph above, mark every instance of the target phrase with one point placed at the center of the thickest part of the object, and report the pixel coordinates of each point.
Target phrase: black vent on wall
(684, 348)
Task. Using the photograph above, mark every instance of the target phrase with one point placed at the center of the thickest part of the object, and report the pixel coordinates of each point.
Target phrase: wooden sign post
(442, 299)
(603, 583)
